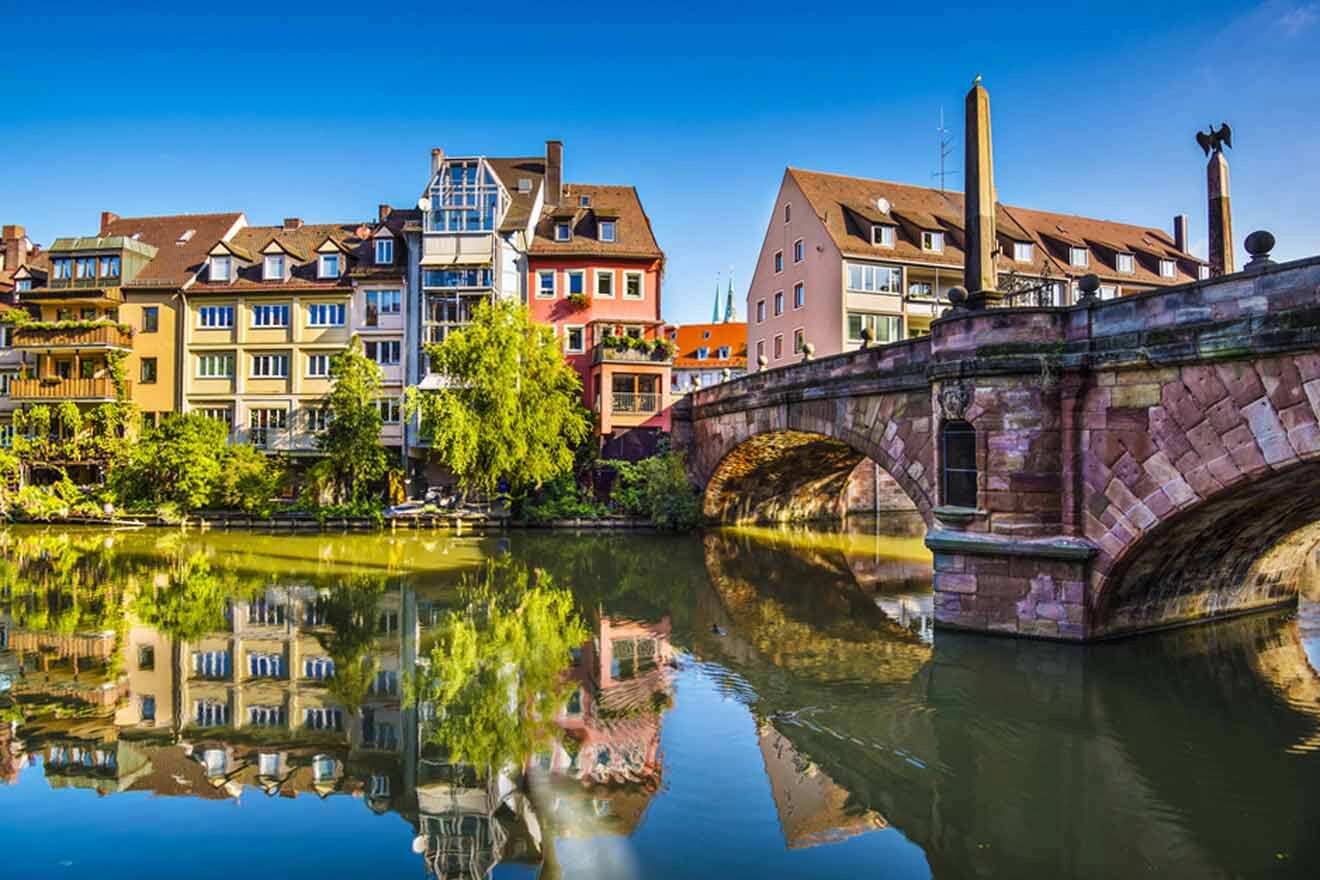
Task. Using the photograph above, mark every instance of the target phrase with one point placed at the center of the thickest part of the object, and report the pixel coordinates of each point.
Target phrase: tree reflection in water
(508, 698)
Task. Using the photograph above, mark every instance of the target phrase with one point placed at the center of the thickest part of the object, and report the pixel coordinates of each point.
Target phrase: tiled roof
(690, 337)
(850, 206)
(363, 265)
(300, 244)
(175, 262)
(633, 235)
(510, 171)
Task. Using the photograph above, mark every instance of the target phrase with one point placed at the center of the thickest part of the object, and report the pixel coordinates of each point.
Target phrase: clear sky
(326, 111)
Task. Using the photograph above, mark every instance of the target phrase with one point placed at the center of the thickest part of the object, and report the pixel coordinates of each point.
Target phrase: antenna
(945, 150)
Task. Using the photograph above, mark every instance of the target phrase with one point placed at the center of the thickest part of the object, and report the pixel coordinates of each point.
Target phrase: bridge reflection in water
(751, 702)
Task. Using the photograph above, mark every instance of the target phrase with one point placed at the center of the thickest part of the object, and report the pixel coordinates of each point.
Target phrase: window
(325, 315)
(84, 267)
(799, 295)
(779, 345)
(148, 371)
(703, 352)
(1203, 272)
(386, 683)
(266, 665)
(760, 350)
(150, 319)
(779, 261)
(760, 311)
(265, 425)
(577, 280)
(215, 317)
(632, 285)
(266, 716)
(318, 668)
(209, 713)
(329, 266)
(390, 410)
(270, 315)
(1024, 251)
(464, 198)
(799, 252)
(110, 267)
(322, 718)
(324, 767)
(23, 285)
(1078, 256)
(799, 340)
(146, 657)
(779, 303)
(273, 268)
(584, 201)
(148, 704)
(210, 664)
(923, 289)
(382, 302)
(545, 285)
(222, 414)
(563, 232)
(874, 279)
(958, 441)
(317, 417)
(1168, 269)
(788, 213)
(604, 282)
(87, 314)
(884, 328)
(215, 365)
(1108, 291)
(607, 230)
(270, 366)
(574, 340)
(318, 365)
(384, 251)
(384, 352)
(220, 267)
(1123, 263)
(882, 235)
(457, 278)
(933, 242)
(63, 267)
(268, 764)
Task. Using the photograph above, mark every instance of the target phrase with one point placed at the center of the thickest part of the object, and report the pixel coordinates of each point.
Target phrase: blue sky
(323, 113)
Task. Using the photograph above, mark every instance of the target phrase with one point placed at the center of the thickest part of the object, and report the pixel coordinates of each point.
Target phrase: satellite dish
(419, 844)
(423, 204)
(883, 204)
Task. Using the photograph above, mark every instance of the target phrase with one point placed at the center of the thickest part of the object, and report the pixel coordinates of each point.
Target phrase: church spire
(729, 312)
(715, 313)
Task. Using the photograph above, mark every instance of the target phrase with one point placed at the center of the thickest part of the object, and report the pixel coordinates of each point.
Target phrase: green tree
(354, 459)
(191, 605)
(511, 406)
(249, 480)
(179, 462)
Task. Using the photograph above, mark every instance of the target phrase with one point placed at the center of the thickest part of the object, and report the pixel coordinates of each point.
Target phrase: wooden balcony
(100, 389)
(100, 337)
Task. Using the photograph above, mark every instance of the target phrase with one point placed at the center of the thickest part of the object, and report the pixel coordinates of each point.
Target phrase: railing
(46, 337)
(602, 354)
(102, 388)
(633, 402)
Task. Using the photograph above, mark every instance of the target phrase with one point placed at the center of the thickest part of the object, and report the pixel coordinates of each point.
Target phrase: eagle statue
(1215, 139)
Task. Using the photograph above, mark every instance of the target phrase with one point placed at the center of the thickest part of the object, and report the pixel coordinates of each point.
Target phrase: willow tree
(509, 406)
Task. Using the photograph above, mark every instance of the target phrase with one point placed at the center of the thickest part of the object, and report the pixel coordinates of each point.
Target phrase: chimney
(107, 217)
(14, 247)
(382, 212)
(437, 159)
(1221, 215)
(291, 223)
(554, 172)
(979, 275)
(1180, 232)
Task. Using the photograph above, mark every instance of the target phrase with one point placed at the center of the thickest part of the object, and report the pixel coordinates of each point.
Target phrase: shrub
(657, 488)
(562, 498)
(249, 480)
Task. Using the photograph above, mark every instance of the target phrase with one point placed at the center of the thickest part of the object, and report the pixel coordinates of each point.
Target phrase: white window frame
(613, 228)
(267, 267)
(1108, 291)
(1079, 257)
(270, 308)
(390, 409)
(312, 359)
(271, 360)
(563, 231)
(1024, 251)
(596, 275)
(384, 345)
(932, 241)
(799, 251)
(332, 311)
(641, 284)
(541, 292)
(581, 347)
(883, 235)
(760, 311)
(799, 295)
(223, 358)
(218, 263)
(219, 311)
(1168, 268)
(384, 251)
(1203, 272)
(322, 263)
(569, 275)
(1125, 263)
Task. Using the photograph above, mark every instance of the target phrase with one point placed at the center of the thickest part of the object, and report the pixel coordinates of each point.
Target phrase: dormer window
(524, 184)
(1202, 272)
(882, 235)
(607, 229)
(933, 242)
(186, 236)
(220, 268)
(1078, 256)
(273, 268)
(1168, 269)
(329, 267)
(584, 201)
(705, 334)
(723, 353)
(702, 353)
(384, 251)
(563, 232)
(1024, 251)
(1124, 263)
(23, 285)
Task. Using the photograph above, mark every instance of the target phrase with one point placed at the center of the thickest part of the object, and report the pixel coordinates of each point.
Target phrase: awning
(436, 261)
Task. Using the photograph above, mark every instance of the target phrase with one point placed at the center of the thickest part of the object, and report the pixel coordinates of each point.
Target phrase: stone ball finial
(1259, 244)
(727, 374)
(808, 351)
(958, 297)
(867, 335)
(696, 381)
(761, 361)
(1089, 285)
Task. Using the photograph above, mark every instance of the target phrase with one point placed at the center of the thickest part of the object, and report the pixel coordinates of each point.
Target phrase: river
(742, 703)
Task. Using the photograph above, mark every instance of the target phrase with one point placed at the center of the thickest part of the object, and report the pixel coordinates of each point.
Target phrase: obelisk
(1221, 217)
(979, 201)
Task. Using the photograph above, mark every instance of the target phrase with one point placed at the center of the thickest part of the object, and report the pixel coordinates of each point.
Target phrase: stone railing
(603, 354)
(100, 336)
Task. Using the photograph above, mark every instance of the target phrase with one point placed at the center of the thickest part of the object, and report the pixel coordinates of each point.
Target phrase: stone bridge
(1084, 472)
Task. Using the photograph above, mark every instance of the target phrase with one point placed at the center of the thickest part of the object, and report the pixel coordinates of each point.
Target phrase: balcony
(635, 403)
(99, 389)
(600, 354)
(100, 336)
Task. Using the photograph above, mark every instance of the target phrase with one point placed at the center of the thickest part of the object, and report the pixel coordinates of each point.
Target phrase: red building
(594, 272)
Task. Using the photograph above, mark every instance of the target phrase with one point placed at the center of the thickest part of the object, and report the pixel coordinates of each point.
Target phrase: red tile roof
(690, 337)
(176, 262)
(633, 234)
(300, 244)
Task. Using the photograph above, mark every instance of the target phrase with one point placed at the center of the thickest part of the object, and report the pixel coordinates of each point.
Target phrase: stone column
(979, 201)
(1221, 217)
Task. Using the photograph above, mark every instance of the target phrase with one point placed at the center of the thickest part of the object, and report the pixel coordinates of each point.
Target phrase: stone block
(950, 562)
(1144, 395)
(1051, 610)
(950, 582)
(1000, 586)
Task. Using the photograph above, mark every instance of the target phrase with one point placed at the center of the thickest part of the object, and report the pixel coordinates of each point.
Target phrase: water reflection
(746, 703)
